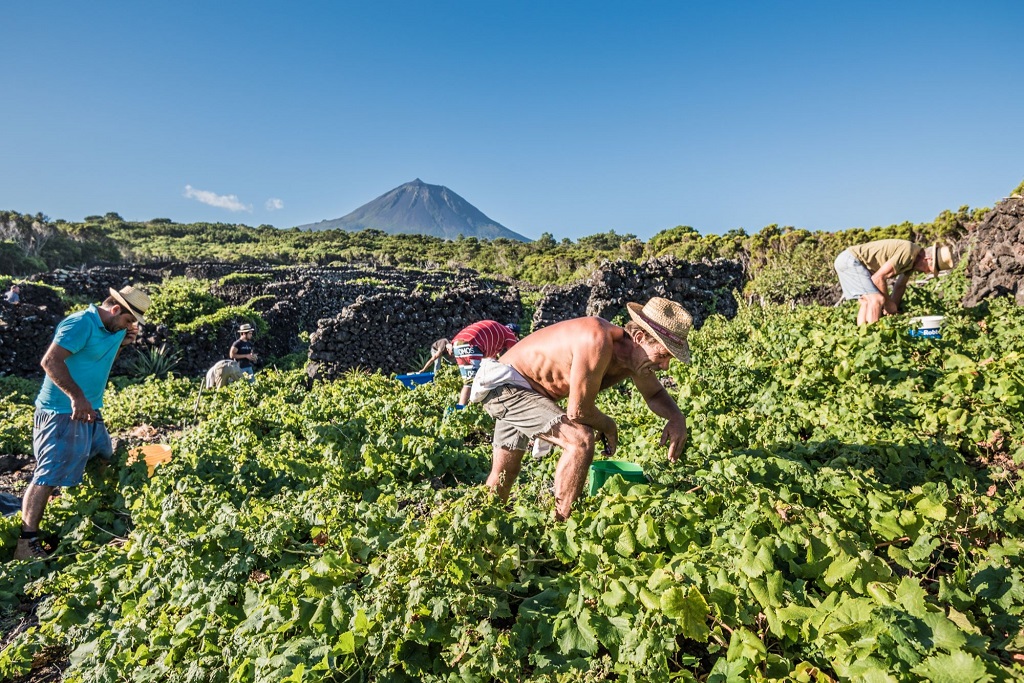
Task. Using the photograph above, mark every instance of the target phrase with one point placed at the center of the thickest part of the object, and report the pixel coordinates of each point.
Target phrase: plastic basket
(154, 454)
(415, 379)
(603, 470)
(928, 326)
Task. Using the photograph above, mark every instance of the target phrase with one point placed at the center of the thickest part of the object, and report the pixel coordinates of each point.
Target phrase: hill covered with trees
(782, 263)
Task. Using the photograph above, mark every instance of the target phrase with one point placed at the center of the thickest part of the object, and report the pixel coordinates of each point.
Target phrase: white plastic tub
(927, 326)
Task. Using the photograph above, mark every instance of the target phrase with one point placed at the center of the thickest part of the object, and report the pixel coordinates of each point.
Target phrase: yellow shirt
(876, 254)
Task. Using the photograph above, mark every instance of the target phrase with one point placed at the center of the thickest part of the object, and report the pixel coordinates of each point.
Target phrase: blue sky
(566, 117)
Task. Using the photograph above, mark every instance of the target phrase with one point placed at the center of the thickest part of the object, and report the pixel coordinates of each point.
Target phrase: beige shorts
(520, 415)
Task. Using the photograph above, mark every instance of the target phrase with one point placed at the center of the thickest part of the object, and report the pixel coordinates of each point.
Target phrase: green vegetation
(181, 301)
(226, 317)
(783, 263)
(154, 361)
(849, 509)
(237, 279)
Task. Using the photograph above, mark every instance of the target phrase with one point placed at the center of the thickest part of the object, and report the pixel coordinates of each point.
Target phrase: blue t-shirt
(93, 349)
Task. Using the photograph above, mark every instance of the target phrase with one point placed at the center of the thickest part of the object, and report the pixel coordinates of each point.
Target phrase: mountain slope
(423, 209)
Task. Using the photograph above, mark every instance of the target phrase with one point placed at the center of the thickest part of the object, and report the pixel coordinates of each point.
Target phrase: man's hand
(674, 436)
(610, 438)
(81, 410)
(131, 334)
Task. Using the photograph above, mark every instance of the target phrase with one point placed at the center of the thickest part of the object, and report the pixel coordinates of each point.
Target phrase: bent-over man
(864, 271)
(68, 429)
(484, 339)
(576, 359)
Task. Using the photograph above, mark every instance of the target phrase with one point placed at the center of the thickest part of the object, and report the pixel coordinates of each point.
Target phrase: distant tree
(545, 242)
(159, 221)
(112, 217)
(633, 249)
(604, 241)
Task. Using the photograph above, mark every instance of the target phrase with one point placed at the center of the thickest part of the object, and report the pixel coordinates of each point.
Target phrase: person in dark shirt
(242, 352)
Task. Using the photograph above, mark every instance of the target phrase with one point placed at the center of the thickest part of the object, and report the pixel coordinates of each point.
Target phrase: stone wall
(26, 329)
(702, 288)
(996, 263)
(389, 331)
(95, 283)
(378, 318)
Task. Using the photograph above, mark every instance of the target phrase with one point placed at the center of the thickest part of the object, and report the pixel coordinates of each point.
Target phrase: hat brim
(680, 352)
(127, 306)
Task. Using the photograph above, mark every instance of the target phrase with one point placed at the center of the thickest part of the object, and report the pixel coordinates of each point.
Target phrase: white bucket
(927, 326)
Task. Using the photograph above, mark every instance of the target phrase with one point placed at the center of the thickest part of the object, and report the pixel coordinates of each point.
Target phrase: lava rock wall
(26, 329)
(391, 330)
(702, 288)
(996, 262)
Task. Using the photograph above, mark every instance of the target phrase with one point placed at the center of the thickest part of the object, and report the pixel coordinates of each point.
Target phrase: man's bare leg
(577, 444)
(870, 309)
(504, 469)
(33, 503)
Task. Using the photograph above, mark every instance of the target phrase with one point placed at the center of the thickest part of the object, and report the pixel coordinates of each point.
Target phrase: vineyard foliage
(848, 509)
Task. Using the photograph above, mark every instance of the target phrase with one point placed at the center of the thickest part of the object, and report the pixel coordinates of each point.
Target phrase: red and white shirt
(489, 336)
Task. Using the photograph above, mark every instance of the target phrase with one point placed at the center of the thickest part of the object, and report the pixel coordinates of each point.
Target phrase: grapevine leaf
(689, 608)
(957, 667)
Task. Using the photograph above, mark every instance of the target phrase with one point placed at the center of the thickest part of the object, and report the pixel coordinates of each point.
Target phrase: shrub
(237, 279)
(153, 362)
(180, 301)
(228, 316)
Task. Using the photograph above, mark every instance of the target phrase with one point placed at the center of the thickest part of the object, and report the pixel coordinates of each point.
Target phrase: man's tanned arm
(591, 355)
(57, 370)
(661, 404)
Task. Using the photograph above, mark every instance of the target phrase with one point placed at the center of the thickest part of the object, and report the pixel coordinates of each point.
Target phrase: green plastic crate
(603, 470)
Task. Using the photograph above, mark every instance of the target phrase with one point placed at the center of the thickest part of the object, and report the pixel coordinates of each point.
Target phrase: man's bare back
(545, 358)
(575, 360)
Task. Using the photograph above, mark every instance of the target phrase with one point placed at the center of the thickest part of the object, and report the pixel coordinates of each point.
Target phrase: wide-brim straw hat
(941, 256)
(246, 327)
(135, 301)
(666, 321)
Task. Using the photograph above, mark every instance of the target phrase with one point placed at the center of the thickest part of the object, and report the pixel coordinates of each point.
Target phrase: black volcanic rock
(421, 209)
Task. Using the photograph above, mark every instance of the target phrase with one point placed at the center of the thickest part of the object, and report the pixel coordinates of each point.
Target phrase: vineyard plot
(848, 509)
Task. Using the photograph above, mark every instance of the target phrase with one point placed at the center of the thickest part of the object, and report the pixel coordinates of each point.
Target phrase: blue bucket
(415, 379)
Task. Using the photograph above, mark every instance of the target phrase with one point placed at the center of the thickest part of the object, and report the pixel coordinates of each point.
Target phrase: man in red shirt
(485, 339)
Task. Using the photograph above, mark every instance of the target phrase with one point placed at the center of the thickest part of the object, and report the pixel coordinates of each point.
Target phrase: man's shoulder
(87, 317)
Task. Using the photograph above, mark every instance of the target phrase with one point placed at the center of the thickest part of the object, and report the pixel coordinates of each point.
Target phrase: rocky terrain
(702, 288)
(996, 264)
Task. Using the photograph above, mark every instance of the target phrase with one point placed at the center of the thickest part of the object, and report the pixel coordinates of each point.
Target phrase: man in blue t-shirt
(68, 428)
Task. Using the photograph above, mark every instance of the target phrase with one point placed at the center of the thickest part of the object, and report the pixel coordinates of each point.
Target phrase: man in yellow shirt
(865, 270)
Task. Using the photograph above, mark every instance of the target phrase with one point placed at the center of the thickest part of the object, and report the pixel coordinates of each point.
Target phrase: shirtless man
(576, 359)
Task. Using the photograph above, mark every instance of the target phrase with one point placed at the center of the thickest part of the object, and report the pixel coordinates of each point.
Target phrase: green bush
(236, 279)
(228, 316)
(180, 301)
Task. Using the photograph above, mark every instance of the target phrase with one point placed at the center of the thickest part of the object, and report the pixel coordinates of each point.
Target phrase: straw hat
(246, 327)
(666, 321)
(135, 301)
(944, 260)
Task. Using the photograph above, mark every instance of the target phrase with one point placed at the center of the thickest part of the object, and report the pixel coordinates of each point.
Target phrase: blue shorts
(854, 276)
(63, 446)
